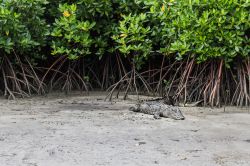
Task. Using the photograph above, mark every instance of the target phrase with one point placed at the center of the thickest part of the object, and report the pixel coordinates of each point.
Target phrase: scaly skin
(158, 109)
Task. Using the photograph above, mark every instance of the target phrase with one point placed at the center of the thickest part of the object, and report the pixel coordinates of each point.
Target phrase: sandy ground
(86, 131)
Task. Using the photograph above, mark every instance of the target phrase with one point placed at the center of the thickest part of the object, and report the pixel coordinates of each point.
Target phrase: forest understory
(209, 83)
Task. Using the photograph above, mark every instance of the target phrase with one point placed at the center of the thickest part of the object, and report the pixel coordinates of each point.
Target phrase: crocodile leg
(157, 115)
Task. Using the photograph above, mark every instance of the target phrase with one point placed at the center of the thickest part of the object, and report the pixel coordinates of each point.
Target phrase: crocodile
(158, 109)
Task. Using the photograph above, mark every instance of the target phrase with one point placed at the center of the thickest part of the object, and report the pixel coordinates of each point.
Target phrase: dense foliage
(22, 26)
(134, 30)
(71, 36)
(198, 28)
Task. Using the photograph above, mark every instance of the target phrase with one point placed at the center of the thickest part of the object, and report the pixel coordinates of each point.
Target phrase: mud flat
(85, 130)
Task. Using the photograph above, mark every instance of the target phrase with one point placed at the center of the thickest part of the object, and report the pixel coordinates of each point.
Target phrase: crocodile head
(176, 114)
